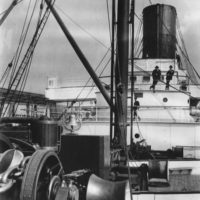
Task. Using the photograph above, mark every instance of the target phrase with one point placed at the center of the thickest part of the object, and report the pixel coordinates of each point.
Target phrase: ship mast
(121, 68)
(121, 71)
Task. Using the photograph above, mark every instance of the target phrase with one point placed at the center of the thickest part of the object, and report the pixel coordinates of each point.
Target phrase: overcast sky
(54, 56)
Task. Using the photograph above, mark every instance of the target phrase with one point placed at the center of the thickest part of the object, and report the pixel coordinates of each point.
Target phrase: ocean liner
(155, 146)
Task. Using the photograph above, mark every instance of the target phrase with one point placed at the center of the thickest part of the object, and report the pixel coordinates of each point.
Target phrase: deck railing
(146, 113)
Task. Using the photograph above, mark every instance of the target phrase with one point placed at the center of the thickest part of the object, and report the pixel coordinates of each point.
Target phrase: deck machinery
(42, 163)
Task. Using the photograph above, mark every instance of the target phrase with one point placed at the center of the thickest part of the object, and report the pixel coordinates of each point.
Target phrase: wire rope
(19, 49)
(150, 2)
(108, 14)
(8, 8)
(25, 69)
(75, 100)
(22, 40)
(31, 57)
(84, 30)
(184, 53)
(138, 17)
(14, 58)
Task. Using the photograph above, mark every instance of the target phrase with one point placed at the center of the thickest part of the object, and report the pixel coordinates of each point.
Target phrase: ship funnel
(159, 31)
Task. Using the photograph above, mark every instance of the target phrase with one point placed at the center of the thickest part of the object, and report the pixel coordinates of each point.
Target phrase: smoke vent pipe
(159, 31)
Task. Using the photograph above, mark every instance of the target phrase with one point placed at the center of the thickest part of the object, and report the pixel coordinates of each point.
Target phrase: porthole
(134, 78)
(165, 99)
(146, 78)
(137, 135)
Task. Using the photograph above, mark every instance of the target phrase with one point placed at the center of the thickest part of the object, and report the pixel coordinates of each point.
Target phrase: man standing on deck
(178, 60)
(156, 74)
(169, 76)
(135, 109)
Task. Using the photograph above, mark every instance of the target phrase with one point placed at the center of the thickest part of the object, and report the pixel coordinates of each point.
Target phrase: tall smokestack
(159, 31)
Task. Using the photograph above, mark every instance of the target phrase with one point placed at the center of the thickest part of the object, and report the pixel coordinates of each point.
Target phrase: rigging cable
(12, 69)
(108, 19)
(140, 48)
(184, 53)
(150, 2)
(138, 41)
(108, 50)
(40, 21)
(14, 2)
(181, 37)
(95, 71)
(5, 74)
(29, 52)
(84, 30)
(21, 90)
(22, 41)
(93, 85)
(23, 84)
(14, 77)
(75, 100)
(7, 11)
(3, 12)
(138, 17)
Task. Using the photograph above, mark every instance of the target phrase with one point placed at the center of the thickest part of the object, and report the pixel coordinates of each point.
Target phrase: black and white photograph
(99, 100)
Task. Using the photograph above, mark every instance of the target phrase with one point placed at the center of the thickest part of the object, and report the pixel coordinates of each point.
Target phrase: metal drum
(45, 134)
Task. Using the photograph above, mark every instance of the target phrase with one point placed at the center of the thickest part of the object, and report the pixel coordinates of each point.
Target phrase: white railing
(179, 114)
